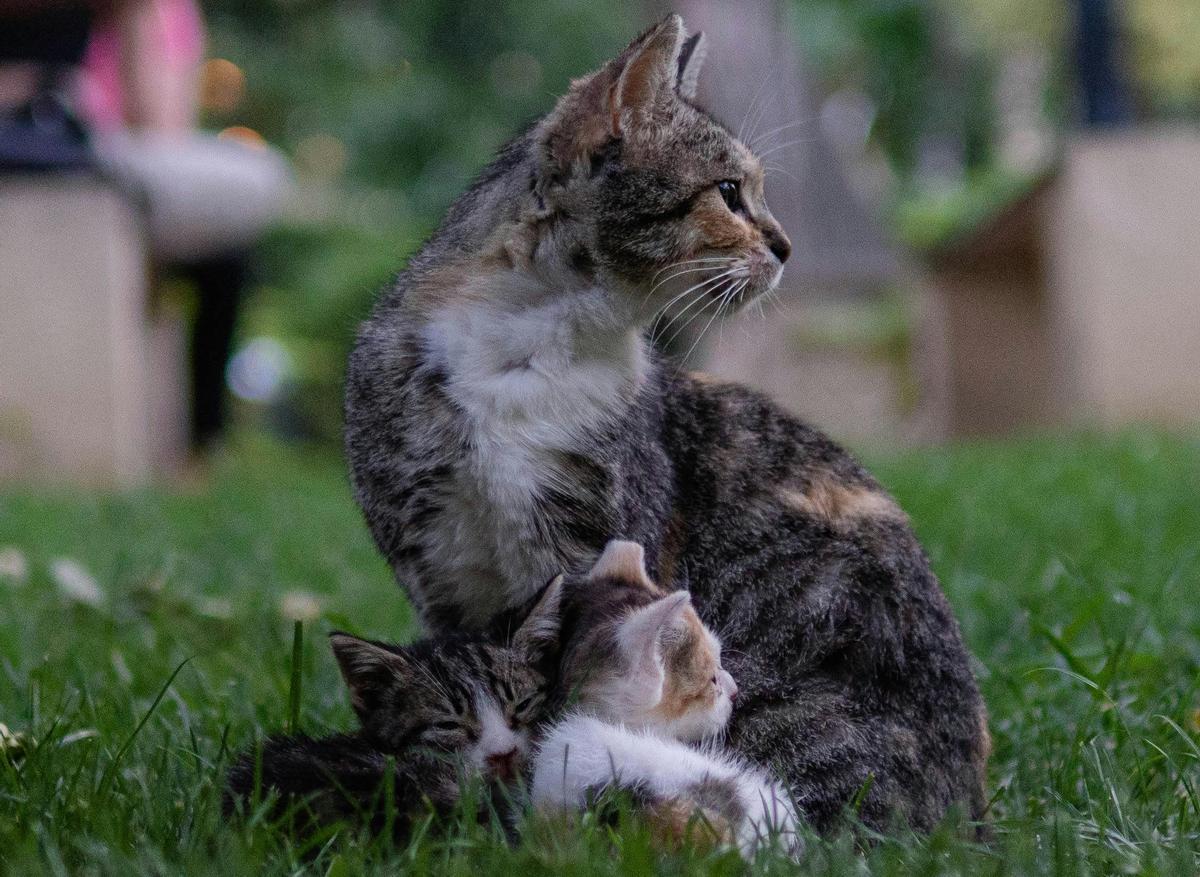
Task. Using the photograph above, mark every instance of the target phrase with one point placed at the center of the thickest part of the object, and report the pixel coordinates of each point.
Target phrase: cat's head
(650, 192)
(469, 698)
(642, 657)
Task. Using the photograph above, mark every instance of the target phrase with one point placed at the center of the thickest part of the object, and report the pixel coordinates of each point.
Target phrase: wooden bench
(92, 369)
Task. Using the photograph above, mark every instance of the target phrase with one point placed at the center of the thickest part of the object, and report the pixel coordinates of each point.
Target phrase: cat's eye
(445, 726)
(731, 193)
(524, 706)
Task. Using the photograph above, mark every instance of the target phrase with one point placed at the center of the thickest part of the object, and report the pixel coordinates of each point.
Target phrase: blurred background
(994, 206)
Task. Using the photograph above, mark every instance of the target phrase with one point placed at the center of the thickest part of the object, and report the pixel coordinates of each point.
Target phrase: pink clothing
(178, 42)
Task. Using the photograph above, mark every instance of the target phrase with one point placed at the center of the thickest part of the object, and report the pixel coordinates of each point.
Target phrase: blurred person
(206, 200)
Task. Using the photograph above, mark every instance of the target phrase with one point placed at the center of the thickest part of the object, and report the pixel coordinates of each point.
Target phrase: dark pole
(1106, 96)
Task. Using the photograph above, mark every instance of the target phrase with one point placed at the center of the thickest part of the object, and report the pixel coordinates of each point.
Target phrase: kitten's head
(645, 186)
(642, 657)
(470, 698)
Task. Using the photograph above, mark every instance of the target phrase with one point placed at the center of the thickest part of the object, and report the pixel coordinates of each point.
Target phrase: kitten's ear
(538, 633)
(368, 668)
(691, 59)
(622, 560)
(642, 634)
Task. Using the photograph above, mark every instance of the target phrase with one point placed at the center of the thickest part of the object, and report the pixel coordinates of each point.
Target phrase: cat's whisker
(704, 292)
(716, 313)
(754, 107)
(787, 144)
(776, 169)
(716, 281)
(779, 130)
(708, 302)
(684, 262)
(702, 296)
(665, 310)
(671, 277)
(724, 260)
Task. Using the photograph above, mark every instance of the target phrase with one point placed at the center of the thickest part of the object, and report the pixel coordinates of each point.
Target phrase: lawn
(143, 636)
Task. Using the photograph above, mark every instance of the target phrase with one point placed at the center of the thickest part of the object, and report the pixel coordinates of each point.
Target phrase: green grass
(1073, 564)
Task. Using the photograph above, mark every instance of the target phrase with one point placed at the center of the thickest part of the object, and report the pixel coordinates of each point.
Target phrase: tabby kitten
(441, 711)
(506, 418)
(644, 674)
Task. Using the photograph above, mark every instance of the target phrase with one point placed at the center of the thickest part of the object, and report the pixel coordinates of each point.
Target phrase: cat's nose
(503, 765)
(733, 691)
(778, 243)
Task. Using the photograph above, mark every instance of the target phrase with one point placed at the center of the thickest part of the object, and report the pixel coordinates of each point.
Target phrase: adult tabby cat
(506, 418)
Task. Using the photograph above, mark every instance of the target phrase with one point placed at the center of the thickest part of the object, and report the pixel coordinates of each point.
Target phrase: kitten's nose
(733, 691)
(503, 765)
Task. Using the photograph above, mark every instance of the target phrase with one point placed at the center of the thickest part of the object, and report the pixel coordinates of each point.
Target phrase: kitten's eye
(526, 705)
(445, 726)
(731, 192)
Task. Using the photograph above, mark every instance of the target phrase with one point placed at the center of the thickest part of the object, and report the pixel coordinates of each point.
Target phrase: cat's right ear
(538, 635)
(369, 669)
(625, 561)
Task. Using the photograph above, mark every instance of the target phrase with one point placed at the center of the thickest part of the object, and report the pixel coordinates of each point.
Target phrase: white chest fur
(530, 383)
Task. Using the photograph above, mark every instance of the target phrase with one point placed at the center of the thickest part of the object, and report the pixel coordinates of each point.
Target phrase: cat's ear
(369, 669)
(691, 59)
(599, 106)
(643, 633)
(650, 73)
(538, 634)
(622, 560)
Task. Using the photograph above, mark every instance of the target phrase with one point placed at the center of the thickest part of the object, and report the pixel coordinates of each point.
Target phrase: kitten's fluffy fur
(583, 756)
(506, 419)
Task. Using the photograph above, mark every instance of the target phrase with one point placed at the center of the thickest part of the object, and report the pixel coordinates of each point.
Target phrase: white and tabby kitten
(646, 676)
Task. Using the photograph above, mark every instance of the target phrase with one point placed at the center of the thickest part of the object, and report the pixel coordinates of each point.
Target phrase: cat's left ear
(538, 634)
(651, 74)
(691, 59)
(370, 669)
(601, 106)
(643, 633)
